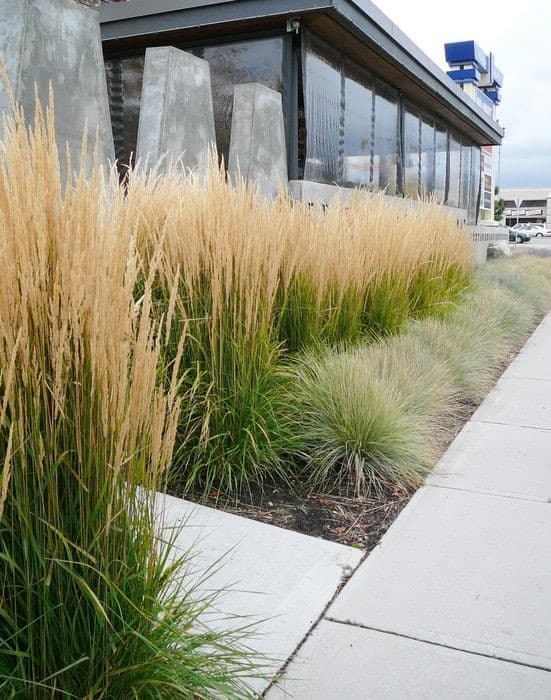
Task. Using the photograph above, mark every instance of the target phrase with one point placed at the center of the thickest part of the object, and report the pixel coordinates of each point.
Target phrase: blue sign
(471, 65)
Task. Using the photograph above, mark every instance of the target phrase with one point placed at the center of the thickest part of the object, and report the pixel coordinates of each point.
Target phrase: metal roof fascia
(136, 18)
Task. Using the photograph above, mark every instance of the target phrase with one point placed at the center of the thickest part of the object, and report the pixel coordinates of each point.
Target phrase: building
(363, 106)
(527, 205)
(477, 74)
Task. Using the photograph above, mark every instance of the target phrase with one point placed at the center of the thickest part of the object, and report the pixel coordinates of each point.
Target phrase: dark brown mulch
(358, 522)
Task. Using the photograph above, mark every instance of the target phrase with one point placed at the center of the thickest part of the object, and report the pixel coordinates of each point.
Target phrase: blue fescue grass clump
(376, 417)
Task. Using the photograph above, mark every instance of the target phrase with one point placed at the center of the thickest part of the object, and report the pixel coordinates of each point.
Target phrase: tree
(499, 209)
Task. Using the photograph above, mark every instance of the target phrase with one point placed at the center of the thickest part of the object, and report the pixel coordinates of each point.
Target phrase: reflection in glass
(258, 61)
(124, 86)
(412, 161)
(324, 116)
(455, 172)
(427, 158)
(385, 143)
(465, 176)
(441, 164)
(358, 141)
(475, 183)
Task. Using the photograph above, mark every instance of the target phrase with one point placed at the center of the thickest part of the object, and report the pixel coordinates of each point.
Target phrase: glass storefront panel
(441, 164)
(427, 158)
(385, 143)
(358, 128)
(465, 176)
(475, 183)
(124, 87)
(455, 171)
(412, 152)
(256, 61)
(324, 115)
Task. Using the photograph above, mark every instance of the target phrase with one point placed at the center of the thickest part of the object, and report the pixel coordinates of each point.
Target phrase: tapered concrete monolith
(57, 43)
(257, 144)
(176, 113)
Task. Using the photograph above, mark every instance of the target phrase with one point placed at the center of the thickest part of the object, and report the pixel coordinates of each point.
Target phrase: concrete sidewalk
(276, 580)
(455, 602)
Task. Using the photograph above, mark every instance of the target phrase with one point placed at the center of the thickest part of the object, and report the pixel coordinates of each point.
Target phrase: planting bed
(338, 516)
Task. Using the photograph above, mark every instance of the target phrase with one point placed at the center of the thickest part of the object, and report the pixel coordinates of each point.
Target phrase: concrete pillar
(58, 43)
(176, 113)
(257, 142)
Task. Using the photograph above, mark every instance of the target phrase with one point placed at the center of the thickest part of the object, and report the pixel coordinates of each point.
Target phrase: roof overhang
(358, 26)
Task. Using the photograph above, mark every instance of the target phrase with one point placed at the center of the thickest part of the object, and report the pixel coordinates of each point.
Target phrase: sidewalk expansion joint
(510, 425)
(347, 574)
(525, 379)
(496, 657)
(497, 494)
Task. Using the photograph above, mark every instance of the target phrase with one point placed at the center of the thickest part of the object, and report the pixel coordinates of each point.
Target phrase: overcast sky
(519, 36)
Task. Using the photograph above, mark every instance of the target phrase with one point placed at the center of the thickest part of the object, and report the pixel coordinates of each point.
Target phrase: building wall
(349, 128)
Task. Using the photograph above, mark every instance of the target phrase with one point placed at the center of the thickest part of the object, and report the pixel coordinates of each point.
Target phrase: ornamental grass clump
(252, 282)
(378, 416)
(93, 603)
(219, 274)
(358, 428)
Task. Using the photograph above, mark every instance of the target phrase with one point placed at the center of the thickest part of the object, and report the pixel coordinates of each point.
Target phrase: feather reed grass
(92, 602)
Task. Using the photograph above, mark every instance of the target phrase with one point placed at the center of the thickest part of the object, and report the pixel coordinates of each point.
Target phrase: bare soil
(357, 522)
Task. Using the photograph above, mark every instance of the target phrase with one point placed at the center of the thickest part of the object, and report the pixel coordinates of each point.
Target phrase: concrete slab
(543, 330)
(520, 402)
(462, 569)
(341, 661)
(176, 112)
(58, 43)
(275, 575)
(501, 459)
(534, 360)
(257, 144)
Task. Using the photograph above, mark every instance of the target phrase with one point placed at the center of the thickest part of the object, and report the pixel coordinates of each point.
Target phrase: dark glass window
(455, 171)
(465, 176)
(441, 163)
(385, 143)
(412, 161)
(358, 129)
(124, 85)
(257, 61)
(428, 158)
(323, 104)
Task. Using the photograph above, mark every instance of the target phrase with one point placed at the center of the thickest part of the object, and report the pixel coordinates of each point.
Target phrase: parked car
(535, 230)
(518, 235)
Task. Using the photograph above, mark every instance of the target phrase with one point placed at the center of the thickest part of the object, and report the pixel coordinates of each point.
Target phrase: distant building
(527, 205)
(476, 73)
